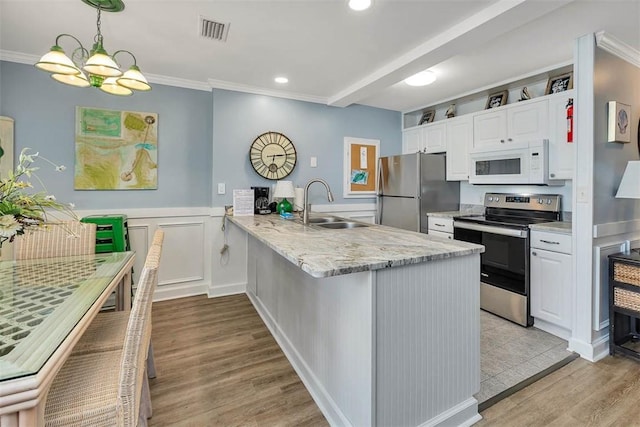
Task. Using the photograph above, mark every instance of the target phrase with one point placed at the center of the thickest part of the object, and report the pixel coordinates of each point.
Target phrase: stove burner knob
(548, 201)
(540, 201)
(490, 199)
(497, 199)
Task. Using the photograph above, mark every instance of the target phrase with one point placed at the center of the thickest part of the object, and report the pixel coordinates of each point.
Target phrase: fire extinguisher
(570, 120)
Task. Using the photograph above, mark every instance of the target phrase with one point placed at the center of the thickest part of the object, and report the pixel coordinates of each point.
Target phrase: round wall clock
(273, 155)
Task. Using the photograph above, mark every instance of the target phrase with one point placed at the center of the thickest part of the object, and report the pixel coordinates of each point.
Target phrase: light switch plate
(221, 188)
(314, 162)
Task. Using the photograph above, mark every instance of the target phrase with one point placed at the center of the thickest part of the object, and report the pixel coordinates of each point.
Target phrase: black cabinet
(624, 304)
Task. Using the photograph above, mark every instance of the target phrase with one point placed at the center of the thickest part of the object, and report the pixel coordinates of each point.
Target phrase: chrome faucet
(307, 207)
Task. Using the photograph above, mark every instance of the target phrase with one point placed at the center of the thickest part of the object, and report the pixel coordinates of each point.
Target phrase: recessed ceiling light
(359, 4)
(422, 78)
(281, 80)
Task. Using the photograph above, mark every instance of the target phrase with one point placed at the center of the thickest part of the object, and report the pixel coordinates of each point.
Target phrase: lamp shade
(56, 61)
(630, 185)
(102, 65)
(133, 79)
(78, 80)
(284, 189)
(111, 86)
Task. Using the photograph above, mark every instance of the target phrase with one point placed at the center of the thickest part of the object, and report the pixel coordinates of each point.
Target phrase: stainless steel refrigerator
(410, 186)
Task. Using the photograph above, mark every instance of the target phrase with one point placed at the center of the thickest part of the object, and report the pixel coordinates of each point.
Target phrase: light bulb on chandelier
(102, 69)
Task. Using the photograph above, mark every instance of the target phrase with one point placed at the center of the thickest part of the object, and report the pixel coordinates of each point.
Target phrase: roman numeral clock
(273, 155)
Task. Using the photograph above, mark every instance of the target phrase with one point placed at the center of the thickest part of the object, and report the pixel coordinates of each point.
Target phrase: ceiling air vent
(211, 29)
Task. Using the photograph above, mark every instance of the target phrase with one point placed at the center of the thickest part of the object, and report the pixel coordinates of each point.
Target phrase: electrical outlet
(221, 188)
(314, 162)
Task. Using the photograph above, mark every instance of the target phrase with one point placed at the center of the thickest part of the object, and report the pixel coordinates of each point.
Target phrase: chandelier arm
(125, 51)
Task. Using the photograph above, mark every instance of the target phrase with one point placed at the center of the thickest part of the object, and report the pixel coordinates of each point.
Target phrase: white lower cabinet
(551, 284)
(441, 227)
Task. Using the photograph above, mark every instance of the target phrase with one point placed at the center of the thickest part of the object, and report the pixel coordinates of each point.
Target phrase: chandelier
(102, 70)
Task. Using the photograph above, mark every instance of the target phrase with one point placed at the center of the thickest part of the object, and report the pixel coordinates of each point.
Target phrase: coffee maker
(261, 200)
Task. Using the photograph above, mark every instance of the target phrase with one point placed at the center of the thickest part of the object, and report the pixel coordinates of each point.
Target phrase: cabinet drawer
(441, 234)
(556, 242)
(440, 224)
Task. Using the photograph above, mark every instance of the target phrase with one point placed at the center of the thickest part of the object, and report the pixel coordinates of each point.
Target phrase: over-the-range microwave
(518, 163)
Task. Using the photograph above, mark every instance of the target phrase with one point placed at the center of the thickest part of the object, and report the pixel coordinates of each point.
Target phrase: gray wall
(44, 113)
(203, 137)
(614, 80)
(315, 130)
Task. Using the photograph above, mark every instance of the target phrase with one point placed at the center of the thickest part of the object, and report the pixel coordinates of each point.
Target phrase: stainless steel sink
(342, 224)
(324, 219)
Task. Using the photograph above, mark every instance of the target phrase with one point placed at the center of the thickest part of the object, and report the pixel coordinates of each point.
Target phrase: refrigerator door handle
(379, 204)
(379, 210)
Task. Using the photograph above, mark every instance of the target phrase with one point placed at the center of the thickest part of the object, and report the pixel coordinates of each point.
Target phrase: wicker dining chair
(109, 388)
(58, 239)
(106, 332)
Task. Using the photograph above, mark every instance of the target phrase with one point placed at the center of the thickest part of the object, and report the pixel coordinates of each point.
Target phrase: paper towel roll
(298, 200)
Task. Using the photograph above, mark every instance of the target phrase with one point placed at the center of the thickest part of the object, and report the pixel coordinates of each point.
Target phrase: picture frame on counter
(618, 122)
(497, 99)
(559, 83)
(427, 117)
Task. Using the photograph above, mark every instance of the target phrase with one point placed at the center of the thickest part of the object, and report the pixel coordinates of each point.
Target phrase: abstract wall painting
(116, 150)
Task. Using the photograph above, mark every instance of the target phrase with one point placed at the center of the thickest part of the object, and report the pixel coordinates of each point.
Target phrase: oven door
(504, 262)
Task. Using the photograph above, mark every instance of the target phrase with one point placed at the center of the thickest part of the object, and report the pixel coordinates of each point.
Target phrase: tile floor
(510, 354)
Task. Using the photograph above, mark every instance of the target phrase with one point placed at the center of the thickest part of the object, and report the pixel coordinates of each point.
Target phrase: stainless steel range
(504, 232)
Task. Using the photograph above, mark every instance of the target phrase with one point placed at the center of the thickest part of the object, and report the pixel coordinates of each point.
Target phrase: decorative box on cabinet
(624, 304)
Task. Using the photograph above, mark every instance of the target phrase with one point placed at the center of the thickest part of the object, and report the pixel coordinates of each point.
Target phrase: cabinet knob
(509, 139)
(552, 175)
(502, 141)
(534, 253)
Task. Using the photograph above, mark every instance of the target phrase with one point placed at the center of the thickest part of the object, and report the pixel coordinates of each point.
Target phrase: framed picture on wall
(559, 83)
(619, 122)
(360, 167)
(427, 117)
(497, 99)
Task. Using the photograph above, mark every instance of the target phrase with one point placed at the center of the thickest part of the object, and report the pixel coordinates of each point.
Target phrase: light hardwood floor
(217, 365)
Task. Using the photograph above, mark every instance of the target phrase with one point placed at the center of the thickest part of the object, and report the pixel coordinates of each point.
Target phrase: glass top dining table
(42, 301)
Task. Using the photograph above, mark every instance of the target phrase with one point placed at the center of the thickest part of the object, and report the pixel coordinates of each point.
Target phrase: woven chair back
(65, 238)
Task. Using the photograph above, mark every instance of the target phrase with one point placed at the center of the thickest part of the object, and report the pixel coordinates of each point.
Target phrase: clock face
(273, 155)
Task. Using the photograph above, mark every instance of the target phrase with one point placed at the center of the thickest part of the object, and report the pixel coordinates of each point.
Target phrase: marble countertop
(555, 226)
(325, 252)
(448, 214)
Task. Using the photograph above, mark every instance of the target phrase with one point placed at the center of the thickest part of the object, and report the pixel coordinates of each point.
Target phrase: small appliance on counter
(261, 200)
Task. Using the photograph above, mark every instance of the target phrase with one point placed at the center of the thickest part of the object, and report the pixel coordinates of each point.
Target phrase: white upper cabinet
(561, 152)
(411, 140)
(512, 124)
(434, 138)
(428, 139)
(459, 135)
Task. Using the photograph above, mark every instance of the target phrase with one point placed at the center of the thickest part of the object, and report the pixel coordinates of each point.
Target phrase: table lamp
(283, 190)
(630, 185)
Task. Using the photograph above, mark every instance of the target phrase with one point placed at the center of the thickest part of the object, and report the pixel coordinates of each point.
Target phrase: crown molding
(24, 58)
(618, 48)
(221, 84)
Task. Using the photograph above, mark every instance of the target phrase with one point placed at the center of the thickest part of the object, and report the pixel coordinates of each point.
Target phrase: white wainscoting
(193, 260)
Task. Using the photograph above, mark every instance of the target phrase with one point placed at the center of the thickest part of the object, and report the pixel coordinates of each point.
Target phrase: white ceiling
(330, 53)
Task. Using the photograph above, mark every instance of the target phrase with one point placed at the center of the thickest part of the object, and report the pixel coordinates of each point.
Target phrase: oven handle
(521, 234)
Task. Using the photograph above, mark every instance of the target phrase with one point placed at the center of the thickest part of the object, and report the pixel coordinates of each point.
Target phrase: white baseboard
(558, 331)
(597, 350)
(229, 289)
(463, 414)
(168, 292)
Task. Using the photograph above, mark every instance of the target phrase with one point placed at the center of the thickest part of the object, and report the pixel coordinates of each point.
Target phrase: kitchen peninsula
(381, 324)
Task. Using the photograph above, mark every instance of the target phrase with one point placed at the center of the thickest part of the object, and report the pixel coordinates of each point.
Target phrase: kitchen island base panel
(377, 347)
